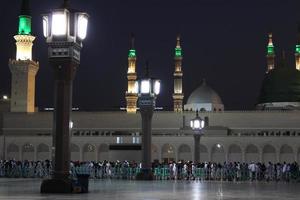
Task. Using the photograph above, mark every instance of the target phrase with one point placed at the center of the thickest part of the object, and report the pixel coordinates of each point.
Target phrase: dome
(281, 85)
(204, 98)
(204, 94)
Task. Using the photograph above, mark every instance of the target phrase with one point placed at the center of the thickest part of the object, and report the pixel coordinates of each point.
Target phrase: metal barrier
(160, 173)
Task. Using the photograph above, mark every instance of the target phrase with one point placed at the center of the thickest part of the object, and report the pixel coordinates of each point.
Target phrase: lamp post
(197, 124)
(64, 30)
(148, 89)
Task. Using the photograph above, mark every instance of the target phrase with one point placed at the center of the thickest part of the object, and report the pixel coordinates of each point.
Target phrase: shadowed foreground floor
(28, 189)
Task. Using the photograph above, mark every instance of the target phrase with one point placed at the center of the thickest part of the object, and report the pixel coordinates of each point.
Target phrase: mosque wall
(164, 148)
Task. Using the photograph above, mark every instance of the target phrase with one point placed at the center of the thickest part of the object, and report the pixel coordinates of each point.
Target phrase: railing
(160, 173)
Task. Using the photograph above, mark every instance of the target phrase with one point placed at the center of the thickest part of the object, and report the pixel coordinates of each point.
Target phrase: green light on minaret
(24, 25)
(132, 53)
(270, 49)
(298, 48)
(178, 52)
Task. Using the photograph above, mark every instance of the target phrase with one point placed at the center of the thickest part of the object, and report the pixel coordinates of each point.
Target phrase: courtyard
(28, 189)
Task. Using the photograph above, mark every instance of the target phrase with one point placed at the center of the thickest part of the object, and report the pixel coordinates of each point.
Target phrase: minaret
(178, 94)
(297, 50)
(270, 54)
(23, 68)
(131, 94)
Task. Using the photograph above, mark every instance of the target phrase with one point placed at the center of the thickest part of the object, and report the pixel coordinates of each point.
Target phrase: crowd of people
(231, 171)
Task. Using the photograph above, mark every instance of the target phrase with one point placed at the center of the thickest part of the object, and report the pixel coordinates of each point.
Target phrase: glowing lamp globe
(148, 86)
(63, 24)
(197, 123)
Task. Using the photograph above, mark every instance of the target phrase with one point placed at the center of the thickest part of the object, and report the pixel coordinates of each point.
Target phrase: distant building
(204, 98)
(271, 133)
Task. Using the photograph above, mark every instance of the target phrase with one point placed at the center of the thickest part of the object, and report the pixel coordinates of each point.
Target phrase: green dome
(281, 84)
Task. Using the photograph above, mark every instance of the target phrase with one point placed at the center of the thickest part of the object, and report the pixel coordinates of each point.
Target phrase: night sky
(224, 41)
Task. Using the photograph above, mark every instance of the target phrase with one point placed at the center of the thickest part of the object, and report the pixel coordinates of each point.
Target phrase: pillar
(197, 148)
(147, 114)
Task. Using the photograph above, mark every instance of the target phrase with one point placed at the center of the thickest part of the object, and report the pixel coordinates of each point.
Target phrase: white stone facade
(231, 136)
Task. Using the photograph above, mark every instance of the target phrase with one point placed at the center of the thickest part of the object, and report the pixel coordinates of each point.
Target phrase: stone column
(243, 155)
(80, 153)
(97, 153)
(21, 153)
(159, 153)
(35, 153)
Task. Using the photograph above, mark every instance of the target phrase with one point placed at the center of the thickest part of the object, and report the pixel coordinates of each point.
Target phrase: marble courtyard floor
(28, 189)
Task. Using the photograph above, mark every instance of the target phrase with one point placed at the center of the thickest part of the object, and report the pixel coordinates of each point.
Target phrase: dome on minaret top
(204, 98)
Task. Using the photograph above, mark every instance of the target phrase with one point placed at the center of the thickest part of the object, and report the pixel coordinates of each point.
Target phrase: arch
(43, 152)
(269, 154)
(28, 152)
(218, 153)
(155, 153)
(75, 152)
(168, 153)
(286, 154)
(251, 153)
(103, 152)
(184, 152)
(204, 157)
(89, 152)
(234, 153)
(13, 152)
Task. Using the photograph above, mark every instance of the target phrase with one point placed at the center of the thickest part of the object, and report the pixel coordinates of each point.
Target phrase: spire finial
(25, 8)
(270, 39)
(132, 38)
(283, 62)
(66, 4)
(178, 41)
(298, 35)
(147, 69)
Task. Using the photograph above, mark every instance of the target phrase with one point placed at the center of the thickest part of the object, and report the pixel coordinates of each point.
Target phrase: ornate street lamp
(197, 124)
(64, 30)
(148, 89)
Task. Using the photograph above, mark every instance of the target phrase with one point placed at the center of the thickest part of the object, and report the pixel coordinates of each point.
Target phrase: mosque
(269, 133)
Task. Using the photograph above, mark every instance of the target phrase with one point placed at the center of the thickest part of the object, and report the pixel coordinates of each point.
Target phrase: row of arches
(217, 153)
(43, 152)
(234, 153)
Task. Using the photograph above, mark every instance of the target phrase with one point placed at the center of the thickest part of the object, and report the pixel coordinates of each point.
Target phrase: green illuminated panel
(270, 49)
(178, 52)
(131, 53)
(298, 48)
(24, 25)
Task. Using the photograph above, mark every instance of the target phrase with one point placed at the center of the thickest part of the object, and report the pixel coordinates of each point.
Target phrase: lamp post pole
(147, 105)
(197, 124)
(148, 89)
(64, 29)
(64, 74)
(197, 147)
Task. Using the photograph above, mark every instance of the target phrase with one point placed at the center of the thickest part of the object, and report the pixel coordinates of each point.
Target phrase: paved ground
(28, 189)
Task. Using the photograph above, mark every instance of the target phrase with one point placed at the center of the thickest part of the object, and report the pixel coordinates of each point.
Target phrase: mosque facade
(269, 133)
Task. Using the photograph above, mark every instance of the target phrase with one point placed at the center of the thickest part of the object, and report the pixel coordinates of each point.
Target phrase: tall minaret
(23, 68)
(178, 94)
(270, 54)
(297, 50)
(131, 94)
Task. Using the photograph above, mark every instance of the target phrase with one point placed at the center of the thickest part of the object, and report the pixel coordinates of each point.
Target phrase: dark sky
(224, 41)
